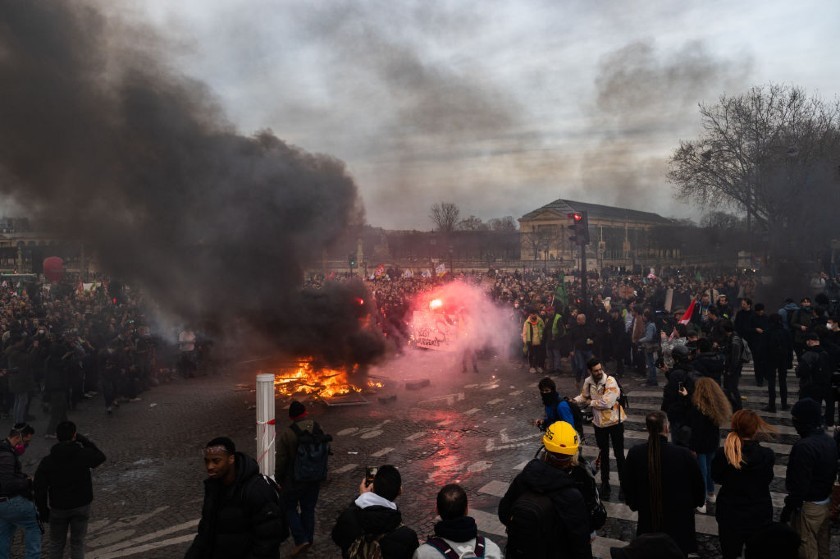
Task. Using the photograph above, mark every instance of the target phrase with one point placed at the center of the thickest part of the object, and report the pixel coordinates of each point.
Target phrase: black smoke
(100, 141)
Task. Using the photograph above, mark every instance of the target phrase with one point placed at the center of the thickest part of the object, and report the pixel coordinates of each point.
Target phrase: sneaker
(743, 398)
(532, 370)
(701, 510)
(710, 498)
(540, 370)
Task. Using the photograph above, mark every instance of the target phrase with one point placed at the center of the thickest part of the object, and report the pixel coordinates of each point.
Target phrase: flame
(435, 304)
(322, 383)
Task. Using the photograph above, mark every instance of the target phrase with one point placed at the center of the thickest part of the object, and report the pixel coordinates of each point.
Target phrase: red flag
(687, 316)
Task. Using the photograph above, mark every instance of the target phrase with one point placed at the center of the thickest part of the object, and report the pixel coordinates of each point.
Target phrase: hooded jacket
(373, 515)
(812, 468)
(62, 480)
(744, 497)
(241, 521)
(460, 534)
(573, 517)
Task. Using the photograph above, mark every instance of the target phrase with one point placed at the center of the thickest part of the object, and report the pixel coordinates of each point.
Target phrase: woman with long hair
(744, 470)
(710, 410)
(663, 483)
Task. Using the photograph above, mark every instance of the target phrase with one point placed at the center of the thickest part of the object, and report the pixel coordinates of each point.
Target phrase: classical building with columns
(618, 236)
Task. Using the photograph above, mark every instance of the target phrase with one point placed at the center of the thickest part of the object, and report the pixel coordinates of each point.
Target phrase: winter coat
(602, 397)
(683, 489)
(532, 331)
(709, 364)
(287, 444)
(243, 520)
(743, 501)
(674, 404)
(705, 435)
(811, 469)
(13, 481)
(62, 480)
(573, 517)
(366, 517)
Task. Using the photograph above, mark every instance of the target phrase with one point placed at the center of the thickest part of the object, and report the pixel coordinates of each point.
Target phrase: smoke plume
(101, 141)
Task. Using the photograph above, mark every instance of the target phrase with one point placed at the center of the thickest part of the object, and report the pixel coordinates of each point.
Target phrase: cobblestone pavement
(469, 428)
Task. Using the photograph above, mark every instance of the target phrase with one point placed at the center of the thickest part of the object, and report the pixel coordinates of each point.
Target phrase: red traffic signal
(580, 226)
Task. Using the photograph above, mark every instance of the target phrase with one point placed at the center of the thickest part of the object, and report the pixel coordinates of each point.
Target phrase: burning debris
(331, 386)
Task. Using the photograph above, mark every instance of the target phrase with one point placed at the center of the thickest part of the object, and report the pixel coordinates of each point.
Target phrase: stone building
(618, 236)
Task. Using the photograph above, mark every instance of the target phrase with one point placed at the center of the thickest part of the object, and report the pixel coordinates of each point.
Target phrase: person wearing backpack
(544, 510)
(300, 466)
(601, 393)
(814, 374)
(242, 516)
(372, 525)
(456, 535)
(557, 408)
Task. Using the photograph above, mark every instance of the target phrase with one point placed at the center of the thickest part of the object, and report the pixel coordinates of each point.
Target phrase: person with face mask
(16, 507)
(811, 471)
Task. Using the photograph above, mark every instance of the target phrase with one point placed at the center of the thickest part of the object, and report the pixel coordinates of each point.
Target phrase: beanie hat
(649, 546)
(807, 411)
(297, 410)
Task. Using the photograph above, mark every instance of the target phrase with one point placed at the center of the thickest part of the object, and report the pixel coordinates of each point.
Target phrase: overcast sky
(498, 107)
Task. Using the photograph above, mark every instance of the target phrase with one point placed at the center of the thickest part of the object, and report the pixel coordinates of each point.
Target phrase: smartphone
(370, 473)
(680, 386)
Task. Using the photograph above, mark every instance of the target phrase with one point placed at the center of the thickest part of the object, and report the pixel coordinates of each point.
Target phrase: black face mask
(550, 398)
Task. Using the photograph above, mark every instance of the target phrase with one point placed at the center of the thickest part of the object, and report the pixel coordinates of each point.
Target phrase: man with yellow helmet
(544, 502)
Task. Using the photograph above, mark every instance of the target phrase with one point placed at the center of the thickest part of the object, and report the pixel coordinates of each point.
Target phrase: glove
(787, 512)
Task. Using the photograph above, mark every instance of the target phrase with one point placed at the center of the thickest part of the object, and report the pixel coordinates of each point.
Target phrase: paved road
(464, 427)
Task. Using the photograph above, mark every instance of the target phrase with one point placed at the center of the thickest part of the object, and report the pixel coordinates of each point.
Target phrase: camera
(370, 473)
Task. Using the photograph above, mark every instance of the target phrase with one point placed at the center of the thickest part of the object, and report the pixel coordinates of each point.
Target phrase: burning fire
(322, 383)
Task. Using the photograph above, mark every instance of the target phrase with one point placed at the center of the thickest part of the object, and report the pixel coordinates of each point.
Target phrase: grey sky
(499, 107)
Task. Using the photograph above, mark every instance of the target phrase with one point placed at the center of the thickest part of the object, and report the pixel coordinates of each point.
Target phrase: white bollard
(265, 423)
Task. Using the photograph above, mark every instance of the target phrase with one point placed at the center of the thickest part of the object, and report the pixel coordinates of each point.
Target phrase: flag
(687, 316)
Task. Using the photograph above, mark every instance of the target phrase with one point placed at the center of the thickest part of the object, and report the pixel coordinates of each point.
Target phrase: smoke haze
(101, 141)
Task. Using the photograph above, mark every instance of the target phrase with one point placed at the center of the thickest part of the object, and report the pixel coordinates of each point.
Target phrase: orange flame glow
(323, 383)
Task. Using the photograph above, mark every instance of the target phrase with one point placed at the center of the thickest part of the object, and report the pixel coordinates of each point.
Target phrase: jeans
(15, 513)
(650, 364)
(603, 437)
(705, 462)
(554, 357)
(302, 521)
(77, 521)
(21, 407)
(581, 357)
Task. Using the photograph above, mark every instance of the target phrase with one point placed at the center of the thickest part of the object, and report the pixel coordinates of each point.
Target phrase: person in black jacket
(16, 507)
(780, 348)
(744, 470)
(241, 516)
(663, 483)
(710, 410)
(674, 403)
(374, 516)
(811, 471)
(552, 476)
(708, 361)
(64, 491)
(814, 374)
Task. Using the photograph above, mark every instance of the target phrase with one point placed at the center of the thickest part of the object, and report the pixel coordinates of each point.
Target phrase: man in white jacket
(456, 535)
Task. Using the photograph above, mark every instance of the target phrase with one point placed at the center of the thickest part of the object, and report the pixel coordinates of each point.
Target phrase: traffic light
(580, 227)
(351, 259)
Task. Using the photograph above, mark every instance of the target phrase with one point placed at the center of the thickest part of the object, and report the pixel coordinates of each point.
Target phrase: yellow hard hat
(561, 438)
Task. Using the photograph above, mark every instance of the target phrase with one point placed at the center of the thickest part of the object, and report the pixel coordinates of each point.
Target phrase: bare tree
(445, 216)
(472, 223)
(506, 223)
(760, 153)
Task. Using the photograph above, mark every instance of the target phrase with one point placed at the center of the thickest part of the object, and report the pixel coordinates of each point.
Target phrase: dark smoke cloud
(102, 142)
(644, 95)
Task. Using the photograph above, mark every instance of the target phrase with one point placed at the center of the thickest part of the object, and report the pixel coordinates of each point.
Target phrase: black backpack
(313, 450)
(532, 525)
(577, 414)
(623, 401)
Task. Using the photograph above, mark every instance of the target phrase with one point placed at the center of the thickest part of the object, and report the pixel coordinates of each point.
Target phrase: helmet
(561, 438)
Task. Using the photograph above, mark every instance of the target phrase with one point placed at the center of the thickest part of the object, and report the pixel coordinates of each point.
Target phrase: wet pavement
(470, 428)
